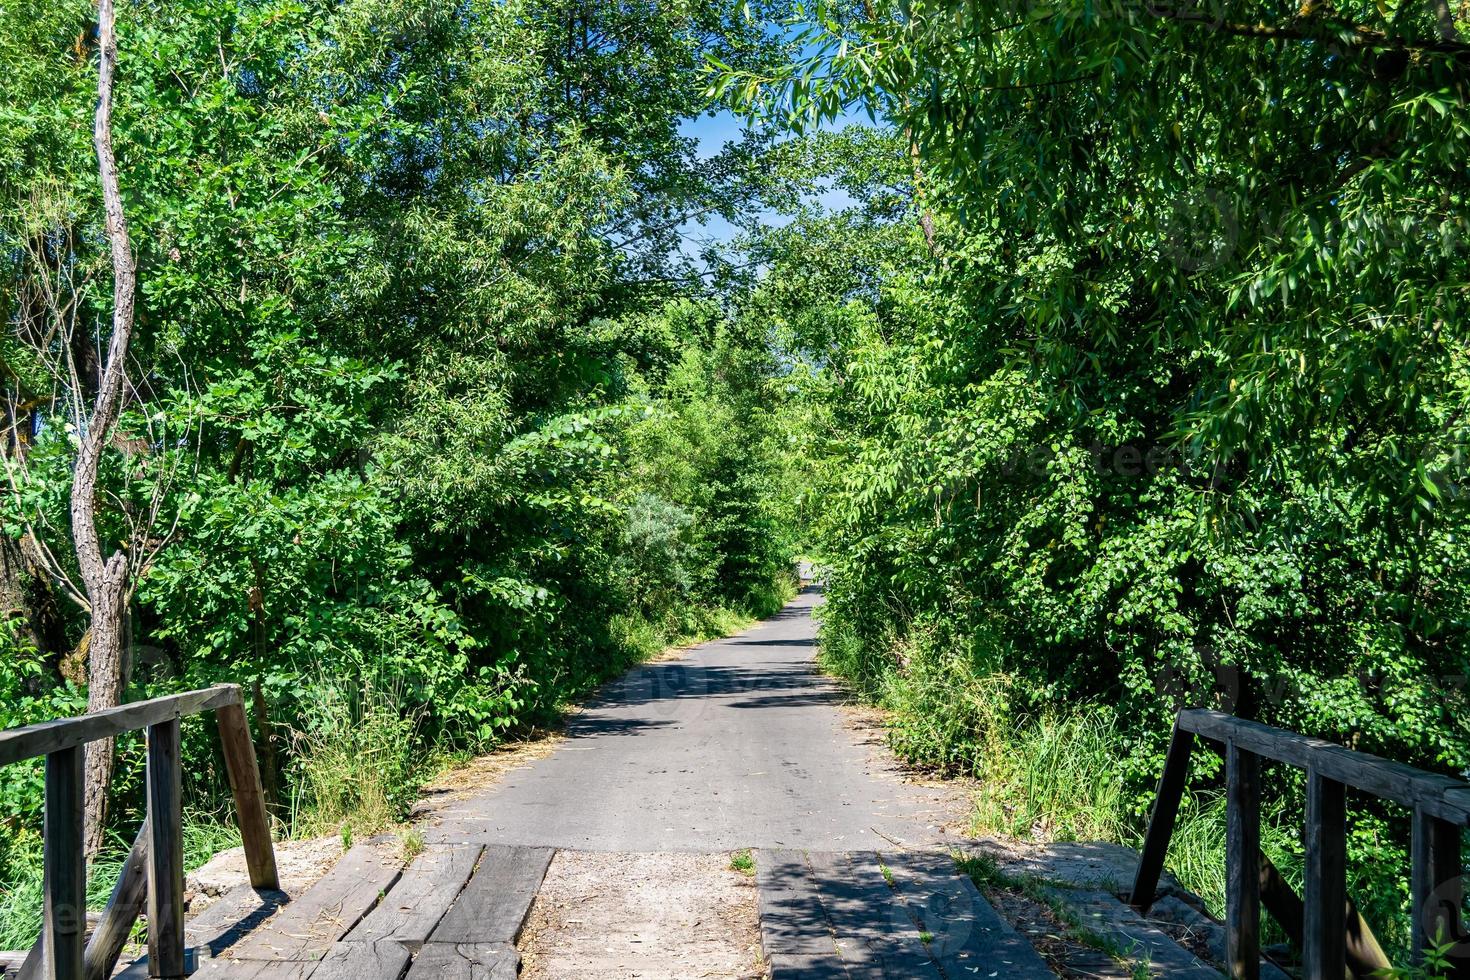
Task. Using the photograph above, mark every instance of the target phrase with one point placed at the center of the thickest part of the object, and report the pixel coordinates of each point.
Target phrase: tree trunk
(106, 579)
(26, 596)
(106, 680)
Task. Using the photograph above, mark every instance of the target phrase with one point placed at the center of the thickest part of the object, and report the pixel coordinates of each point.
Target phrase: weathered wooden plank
(364, 961)
(1441, 796)
(129, 896)
(1436, 886)
(1324, 952)
(872, 940)
(1105, 915)
(250, 811)
(1161, 821)
(235, 915)
(65, 864)
(466, 961)
(793, 919)
(227, 969)
(425, 892)
(967, 934)
(788, 966)
(63, 733)
(165, 853)
(492, 908)
(211, 933)
(305, 929)
(1242, 863)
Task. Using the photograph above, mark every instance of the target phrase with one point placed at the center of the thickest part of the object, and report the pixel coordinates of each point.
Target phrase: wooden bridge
(455, 908)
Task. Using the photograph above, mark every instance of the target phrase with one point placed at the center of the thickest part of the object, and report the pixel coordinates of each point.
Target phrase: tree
(106, 577)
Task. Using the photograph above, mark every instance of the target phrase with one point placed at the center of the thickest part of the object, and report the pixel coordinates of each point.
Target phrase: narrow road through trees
(741, 743)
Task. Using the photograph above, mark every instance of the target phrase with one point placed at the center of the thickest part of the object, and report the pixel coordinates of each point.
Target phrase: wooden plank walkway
(867, 915)
(454, 912)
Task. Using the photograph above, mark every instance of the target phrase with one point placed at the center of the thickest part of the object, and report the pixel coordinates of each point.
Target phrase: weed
(411, 844)
(743, 862)
(21, 893)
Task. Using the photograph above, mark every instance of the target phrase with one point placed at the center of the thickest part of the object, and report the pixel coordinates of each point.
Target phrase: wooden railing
(1332, 937)
(154, 872)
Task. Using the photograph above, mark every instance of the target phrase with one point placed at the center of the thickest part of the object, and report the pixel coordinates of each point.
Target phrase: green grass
(21, 876)
(1065, 774)
(743, 862)
(359, 762)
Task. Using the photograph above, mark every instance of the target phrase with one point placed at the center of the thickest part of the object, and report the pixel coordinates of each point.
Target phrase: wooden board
(1441, 796)
(166, 946)
(363, 961)
(236, 914)
(1104, 914)
(875, 936)
(466, 961)
(969, 937)
(250, 809)
(492, 908)
(46, 737)
(785, 966)
(793, 922)
(253, 970)
(306, 929)
(424, 893)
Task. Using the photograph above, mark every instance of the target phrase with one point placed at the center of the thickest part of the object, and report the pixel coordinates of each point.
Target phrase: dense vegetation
(429, 428)
(1129, 374)
(1172, 409)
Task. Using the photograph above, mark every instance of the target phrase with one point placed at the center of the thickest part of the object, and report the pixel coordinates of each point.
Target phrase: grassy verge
(1062, 775)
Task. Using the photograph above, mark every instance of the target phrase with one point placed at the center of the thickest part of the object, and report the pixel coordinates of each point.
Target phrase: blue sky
(713, 132)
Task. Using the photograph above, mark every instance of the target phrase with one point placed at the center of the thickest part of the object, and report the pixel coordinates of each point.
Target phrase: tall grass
(1058, 781)
(358, 761)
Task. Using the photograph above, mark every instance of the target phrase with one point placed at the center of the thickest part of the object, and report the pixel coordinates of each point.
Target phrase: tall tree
(105, 578)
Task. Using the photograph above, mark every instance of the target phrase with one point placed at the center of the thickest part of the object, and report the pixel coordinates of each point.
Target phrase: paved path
(615, 842)
(739, 744)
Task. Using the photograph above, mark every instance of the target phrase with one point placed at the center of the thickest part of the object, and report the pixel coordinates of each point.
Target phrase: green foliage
(431, 426)
(1171, 409)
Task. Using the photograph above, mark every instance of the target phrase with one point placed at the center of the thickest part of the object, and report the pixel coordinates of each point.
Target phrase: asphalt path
(740, 743)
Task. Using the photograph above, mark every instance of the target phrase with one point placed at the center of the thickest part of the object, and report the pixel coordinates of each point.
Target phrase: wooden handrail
(1334, 940)
(33, 741)
(1442, 796)
(154, 872)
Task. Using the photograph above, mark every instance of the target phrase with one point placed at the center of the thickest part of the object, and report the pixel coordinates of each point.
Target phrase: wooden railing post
(1435, 883)
(1324, 940)
(244, 772)
(1242, 863)
(129, 896)
(1161, 821)
(166, 952)
(65, 863)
